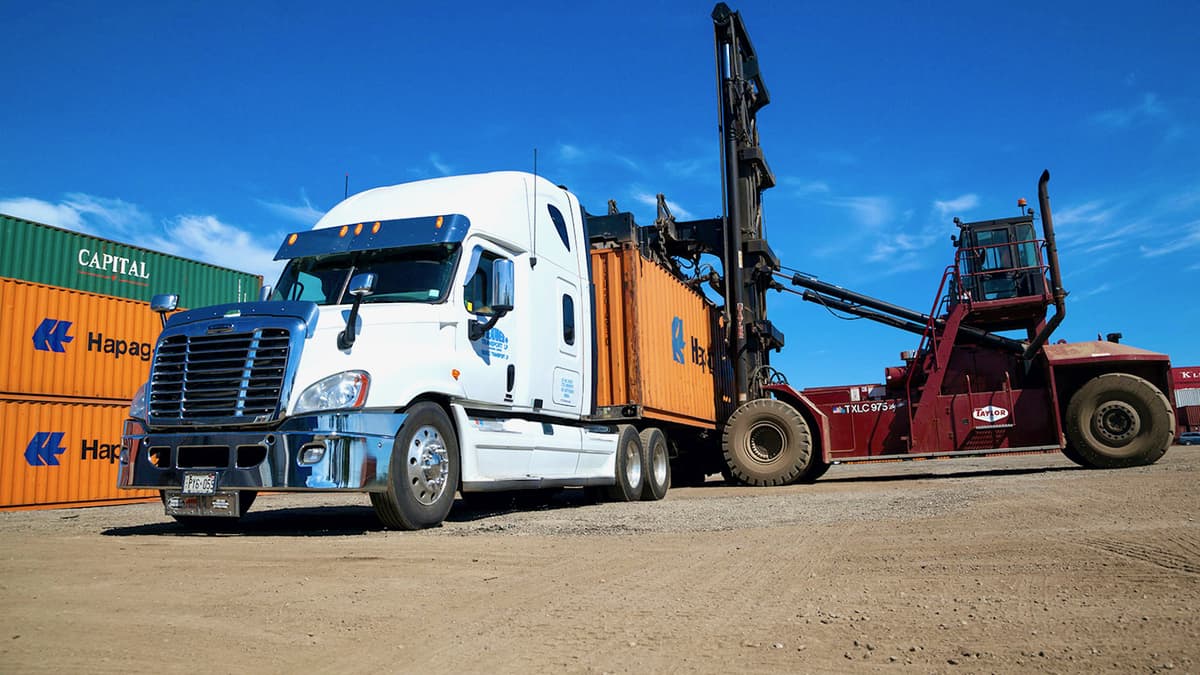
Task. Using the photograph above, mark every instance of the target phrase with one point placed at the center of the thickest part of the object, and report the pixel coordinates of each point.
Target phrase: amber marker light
(345, 229)
(358, 229)
(375, 229)
(454, 373)
(438, 224)
(292, 239)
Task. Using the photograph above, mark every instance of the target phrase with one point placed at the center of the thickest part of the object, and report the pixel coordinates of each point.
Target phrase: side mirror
(501, 300)
(164, 303)
(362, 284)
(264, 293)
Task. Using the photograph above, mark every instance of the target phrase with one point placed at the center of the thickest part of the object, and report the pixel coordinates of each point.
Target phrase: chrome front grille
(226, 376)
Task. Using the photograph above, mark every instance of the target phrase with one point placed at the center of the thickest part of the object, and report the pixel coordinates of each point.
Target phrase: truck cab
(423, 338)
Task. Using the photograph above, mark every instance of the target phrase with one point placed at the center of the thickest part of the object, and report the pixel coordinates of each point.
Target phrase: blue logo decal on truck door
(677, 341)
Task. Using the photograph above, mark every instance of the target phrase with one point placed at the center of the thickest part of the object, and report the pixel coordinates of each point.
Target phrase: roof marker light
(438, 224)
(375, 229)
(292, 239)
(358, 229)
(345, 229)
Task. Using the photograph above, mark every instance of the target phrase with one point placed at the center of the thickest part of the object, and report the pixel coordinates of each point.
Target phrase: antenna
(347, 190)
(533, 221)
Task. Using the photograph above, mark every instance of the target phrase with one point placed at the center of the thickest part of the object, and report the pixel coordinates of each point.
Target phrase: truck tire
(657, 469)
(630, 462)
(766, 442)
(1117, 420)
(423, 474)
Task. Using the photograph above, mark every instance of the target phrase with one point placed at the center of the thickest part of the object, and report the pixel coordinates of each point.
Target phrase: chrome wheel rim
(658, 463)
(633, 465)
(428, 465)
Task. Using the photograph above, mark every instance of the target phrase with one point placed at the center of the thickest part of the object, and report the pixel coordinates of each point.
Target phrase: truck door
(490, 360)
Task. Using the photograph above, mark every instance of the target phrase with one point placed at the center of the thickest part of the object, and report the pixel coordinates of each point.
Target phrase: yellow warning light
(454, 373)
(345, 229)
(1021, 202)
(375, 228)
(358, 229)
(292, 239)
(438, 224)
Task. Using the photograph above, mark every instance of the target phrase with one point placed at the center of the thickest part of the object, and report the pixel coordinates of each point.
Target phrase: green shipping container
(48, 255)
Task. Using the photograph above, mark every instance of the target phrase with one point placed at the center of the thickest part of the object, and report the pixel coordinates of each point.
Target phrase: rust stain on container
(55, 454)
(657, 342)
(62, 342)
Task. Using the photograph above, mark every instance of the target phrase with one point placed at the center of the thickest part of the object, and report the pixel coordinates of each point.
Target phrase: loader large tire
(767, 442)
(1117, 420)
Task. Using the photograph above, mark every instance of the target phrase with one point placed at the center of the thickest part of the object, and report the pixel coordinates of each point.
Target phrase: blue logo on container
(677, 341)
(51, 334)
(44, 448)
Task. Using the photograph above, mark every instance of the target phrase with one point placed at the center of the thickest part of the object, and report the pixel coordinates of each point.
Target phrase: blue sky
(212, 129)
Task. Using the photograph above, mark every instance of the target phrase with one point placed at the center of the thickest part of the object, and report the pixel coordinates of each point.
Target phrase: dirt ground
(1022, 564)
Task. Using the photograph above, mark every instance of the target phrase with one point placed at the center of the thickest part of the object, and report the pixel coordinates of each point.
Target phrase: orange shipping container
(655, 343)
(55, 454)
(62, 342)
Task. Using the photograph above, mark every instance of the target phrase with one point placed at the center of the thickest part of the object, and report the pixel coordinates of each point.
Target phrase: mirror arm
(477, 330)
(346, 337)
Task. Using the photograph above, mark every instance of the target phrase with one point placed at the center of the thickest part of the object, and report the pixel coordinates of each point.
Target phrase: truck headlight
(336, 392)
(137, 407)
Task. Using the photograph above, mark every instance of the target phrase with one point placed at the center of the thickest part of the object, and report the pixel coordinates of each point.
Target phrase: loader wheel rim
(766, 442)
(1116, 422)
(428, 465)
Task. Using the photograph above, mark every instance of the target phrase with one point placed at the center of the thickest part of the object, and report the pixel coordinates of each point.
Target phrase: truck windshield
(417, 274)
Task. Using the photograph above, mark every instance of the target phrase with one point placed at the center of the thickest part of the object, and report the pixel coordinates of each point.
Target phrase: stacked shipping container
(1186, 382)
(76, 340)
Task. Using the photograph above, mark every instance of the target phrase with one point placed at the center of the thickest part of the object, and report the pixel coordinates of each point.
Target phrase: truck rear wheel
(630, 461)
(767, 442)
(1118, 420)
(657, 469)
(423, 474)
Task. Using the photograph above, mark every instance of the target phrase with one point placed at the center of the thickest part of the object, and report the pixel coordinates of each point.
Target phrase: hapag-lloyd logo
(989, 413)
(114, 265)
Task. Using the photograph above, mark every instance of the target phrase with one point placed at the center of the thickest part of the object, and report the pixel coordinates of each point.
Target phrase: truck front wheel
(767, 442)
(1118, 420)
(423, 474)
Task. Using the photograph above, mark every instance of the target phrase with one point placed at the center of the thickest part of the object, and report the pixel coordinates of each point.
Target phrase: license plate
(199, 483)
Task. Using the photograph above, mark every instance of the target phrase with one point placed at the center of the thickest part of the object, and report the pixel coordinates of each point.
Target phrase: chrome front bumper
(338, 451)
